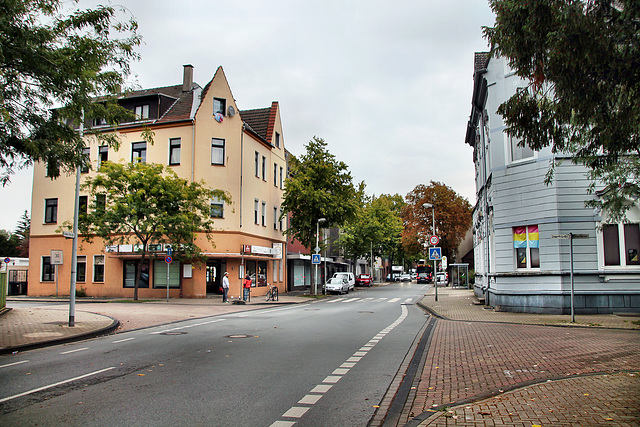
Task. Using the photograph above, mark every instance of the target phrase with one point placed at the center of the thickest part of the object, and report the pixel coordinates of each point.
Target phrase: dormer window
(142, 112)
(219, 106)
(100, 121)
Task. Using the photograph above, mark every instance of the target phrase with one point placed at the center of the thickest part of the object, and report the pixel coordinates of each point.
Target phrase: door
(214, 276)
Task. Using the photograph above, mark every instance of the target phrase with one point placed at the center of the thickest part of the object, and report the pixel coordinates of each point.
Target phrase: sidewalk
(487, 368)
(25, 328)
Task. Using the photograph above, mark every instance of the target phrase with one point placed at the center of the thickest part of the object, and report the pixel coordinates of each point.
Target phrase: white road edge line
(14, 363)
(35, 390)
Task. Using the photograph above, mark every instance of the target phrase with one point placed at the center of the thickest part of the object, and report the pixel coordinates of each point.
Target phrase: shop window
(526, 244)
(160, 274)
(257, 270)
(130, 268)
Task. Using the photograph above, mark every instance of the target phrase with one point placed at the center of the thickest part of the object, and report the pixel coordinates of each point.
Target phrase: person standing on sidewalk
(225, 287)
(246, 285)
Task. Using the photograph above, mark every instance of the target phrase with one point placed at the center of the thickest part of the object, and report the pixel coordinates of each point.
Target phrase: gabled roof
(261, 120)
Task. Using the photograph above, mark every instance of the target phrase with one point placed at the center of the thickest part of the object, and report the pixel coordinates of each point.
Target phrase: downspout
(193, 148)
(241, 169)
(486, 207)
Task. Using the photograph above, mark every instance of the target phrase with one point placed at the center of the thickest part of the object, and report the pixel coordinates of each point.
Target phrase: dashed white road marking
(14, 363)
(318, 391)
(35, 390)
(123, 340)
(187, 326)
(394, 300)
(75, 351)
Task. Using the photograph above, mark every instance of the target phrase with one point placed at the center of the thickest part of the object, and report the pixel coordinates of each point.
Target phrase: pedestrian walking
(225, 287)
(246, 285)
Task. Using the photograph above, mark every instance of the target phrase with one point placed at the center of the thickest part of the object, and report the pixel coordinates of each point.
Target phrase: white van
(351, 279)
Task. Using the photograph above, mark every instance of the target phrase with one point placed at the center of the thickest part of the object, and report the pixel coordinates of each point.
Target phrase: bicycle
(272, 293)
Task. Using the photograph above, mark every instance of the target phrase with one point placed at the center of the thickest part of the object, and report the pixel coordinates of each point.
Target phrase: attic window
(142, 111)
(219, 106)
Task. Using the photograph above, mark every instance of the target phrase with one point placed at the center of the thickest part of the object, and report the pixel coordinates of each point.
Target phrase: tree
(52, 66)
(452, 217)
(582, 59)
(376, 227)
(9, 244)
(147, 203)
(319, 187)
(23, 231)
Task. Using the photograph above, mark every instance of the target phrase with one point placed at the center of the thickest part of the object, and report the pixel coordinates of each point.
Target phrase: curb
(56, 341)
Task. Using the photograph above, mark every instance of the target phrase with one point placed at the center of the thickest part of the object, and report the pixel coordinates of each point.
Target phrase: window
(617, 254)
(48, 274)
(139, 152)
(81, 268)
(101, 202)
(83, 203)
(257, 270)
(219, 106)
(275, 174)
(174, 151)
(275, 218)
(255, 210)
(103, 154)
(86, 160)
(217, 151)
(160, 274)
(264, 213)
(518, 152)
(98, 268)
(130, 268)
(142, 111)
(277, 140)
(100, 121)
(256, 164)
(264, 168)
(50, 211)
(52, 168)
(281, 171)
(280, 220)
(217, 208)
(526, 244)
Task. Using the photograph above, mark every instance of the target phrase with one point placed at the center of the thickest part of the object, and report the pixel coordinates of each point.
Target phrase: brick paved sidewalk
(478, 366)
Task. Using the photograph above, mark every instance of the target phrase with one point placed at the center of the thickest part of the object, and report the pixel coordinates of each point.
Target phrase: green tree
(23, 231)
(319, 187)
(9, 244)
(452, 217)
(148, 203)
(53, 64)
(582, 59)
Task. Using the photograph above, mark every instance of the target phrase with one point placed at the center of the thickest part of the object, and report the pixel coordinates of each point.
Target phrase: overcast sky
(386, 84)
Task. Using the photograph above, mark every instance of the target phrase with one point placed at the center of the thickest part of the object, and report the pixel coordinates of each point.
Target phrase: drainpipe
(241, 169)
(486, 207)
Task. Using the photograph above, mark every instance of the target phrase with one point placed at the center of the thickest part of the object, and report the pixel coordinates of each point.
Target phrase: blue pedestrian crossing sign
(315, 259)
(435, 254)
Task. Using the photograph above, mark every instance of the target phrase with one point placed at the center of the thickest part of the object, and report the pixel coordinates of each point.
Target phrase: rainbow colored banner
(534, 239)
(519, 237)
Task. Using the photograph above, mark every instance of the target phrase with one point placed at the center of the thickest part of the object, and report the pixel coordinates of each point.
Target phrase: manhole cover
(173, 333)
(239, 336)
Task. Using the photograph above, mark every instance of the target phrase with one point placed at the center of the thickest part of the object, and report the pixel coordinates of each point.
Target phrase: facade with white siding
(519, 265)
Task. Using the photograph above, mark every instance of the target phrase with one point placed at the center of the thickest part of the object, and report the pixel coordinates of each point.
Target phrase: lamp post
(315, 278)
(433, 231)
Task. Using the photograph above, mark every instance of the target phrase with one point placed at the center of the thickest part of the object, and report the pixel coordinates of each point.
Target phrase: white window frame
(98, 260)
(217, 202)
(175, 145)
(218, 144)
(527, 249)
(622, 249)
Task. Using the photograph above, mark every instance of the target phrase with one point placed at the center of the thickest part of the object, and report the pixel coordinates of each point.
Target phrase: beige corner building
(202, 135)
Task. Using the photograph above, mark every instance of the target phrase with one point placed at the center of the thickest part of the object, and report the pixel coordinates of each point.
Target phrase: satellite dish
(232, 111)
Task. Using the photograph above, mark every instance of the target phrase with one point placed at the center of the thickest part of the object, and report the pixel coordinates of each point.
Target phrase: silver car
(338, 285)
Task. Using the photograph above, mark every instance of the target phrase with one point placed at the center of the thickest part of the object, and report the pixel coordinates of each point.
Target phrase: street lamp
(315, 278)
(433, 231)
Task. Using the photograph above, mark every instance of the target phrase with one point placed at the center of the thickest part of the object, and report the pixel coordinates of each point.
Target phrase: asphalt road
(319, 364)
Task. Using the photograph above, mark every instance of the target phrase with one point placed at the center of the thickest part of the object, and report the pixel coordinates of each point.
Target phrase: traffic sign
(434, 240)
(315, 259)
(435, 254)
(7, 260)
(168, 259)
(169, 251)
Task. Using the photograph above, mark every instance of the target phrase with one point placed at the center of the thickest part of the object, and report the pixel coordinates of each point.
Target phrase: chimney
(187, 80)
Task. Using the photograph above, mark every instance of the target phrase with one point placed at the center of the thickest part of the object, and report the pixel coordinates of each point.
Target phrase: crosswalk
(347, 300)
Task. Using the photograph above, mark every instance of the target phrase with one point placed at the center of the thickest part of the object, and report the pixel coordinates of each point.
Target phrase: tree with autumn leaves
(452, 218)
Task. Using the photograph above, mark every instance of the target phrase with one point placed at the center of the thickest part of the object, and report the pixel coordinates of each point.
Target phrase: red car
(363, 280)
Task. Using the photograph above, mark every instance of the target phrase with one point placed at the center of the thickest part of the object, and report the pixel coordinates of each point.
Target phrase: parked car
(405, 277)
(338, 285)
(423, 278)
(442, 278)
(351, 279)
(364, 280)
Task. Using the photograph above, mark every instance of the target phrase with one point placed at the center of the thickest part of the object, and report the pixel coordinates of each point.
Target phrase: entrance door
(214, 276)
